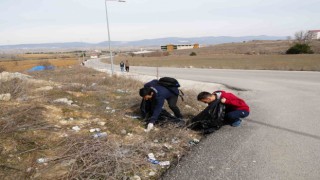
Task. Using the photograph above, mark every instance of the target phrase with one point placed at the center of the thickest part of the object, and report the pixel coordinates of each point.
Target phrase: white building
(315, 34)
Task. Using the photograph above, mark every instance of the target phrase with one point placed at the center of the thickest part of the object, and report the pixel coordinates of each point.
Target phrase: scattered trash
(113, 111)
(152, 173)
(153, 160)
(254, 161)
(63, 100)
(130, 134)
(98, 135)
(93, 84)
(76, 128)
(108, 108)
(135, 177)
(95, 130)
(71, 119)
(187, 106)
(156, 141)
(167, 146)
(133, 117)
(194, 142)
(175, 140)
(102, 123)
(164, 163)
(41, 68)
(29, 169)
(42, 160)
(121, 91)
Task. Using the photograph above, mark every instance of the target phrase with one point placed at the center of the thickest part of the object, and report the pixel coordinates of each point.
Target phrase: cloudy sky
(42, 21)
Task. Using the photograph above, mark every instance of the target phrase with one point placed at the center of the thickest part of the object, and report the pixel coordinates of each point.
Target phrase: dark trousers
(234, 116)
(127, 68)
(172, 101)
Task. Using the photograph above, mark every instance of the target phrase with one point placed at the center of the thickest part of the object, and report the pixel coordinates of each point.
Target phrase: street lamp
(111, 58)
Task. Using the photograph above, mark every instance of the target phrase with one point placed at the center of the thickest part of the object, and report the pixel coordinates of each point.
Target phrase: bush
(193, 54)
(300, 49)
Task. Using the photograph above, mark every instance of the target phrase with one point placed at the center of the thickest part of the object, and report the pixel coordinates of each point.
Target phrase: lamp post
(111, 57)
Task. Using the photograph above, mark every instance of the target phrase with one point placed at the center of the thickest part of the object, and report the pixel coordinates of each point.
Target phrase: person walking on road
(127, 65)
(236, 108)
(122, 66)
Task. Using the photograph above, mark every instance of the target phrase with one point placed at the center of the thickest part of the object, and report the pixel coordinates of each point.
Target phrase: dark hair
(145, 91)
(203, 95)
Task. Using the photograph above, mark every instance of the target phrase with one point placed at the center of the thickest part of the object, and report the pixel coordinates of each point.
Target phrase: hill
(210, 40)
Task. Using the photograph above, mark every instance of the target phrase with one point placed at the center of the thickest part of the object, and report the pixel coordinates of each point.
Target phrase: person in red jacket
(236, 108)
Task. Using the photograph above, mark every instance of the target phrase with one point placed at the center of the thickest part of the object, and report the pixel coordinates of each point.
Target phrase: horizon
(38, 22)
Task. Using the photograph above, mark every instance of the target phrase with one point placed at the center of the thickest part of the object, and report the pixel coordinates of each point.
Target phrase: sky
(52, 21)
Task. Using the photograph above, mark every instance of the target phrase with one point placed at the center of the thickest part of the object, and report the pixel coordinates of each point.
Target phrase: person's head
(146, 93)
(206, 97)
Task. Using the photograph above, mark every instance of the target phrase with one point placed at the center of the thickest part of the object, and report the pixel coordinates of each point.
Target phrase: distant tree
(300, 49)
(193, 54)
(303, 37)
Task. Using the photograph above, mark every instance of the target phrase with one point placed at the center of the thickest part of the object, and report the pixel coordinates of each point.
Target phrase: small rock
(135, 177)
(5, 97)
(123, 131)
(156, 141)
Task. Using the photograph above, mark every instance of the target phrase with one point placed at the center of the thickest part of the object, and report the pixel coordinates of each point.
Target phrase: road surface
(279, 140)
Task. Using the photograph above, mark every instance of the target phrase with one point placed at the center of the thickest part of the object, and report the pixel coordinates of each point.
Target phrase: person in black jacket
(156, 94)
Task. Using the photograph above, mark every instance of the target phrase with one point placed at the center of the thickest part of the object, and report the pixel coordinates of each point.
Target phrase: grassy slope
(33, 126)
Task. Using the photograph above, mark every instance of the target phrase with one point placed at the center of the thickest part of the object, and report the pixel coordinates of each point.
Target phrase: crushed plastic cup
(99, 135)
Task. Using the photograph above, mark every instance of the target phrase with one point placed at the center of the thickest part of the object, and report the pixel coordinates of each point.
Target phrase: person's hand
(149, 127)
(223, 100)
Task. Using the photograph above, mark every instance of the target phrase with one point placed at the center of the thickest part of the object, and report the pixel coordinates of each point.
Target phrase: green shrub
(300, 49)
(193, 54)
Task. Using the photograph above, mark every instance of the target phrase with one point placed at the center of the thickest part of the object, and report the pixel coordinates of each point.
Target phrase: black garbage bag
(210, 119)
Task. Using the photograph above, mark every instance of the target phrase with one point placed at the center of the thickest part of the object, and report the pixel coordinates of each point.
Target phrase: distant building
(315, 34)
(142, 52)
(94, 56)
(171, 47)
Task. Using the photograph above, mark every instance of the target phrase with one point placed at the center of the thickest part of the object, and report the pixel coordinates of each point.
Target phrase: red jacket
(233, 103)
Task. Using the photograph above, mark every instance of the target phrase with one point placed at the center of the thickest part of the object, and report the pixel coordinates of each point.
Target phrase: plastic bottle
(98, 135)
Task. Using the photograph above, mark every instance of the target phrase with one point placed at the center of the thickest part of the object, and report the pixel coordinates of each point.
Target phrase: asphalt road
(279, 140)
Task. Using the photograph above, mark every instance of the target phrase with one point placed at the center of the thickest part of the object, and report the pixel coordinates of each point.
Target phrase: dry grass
(33, 126)
(257, 55)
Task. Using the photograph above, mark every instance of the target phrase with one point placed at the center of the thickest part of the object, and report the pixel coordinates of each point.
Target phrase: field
(232, 61)
(23, 62)
(257, 55)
